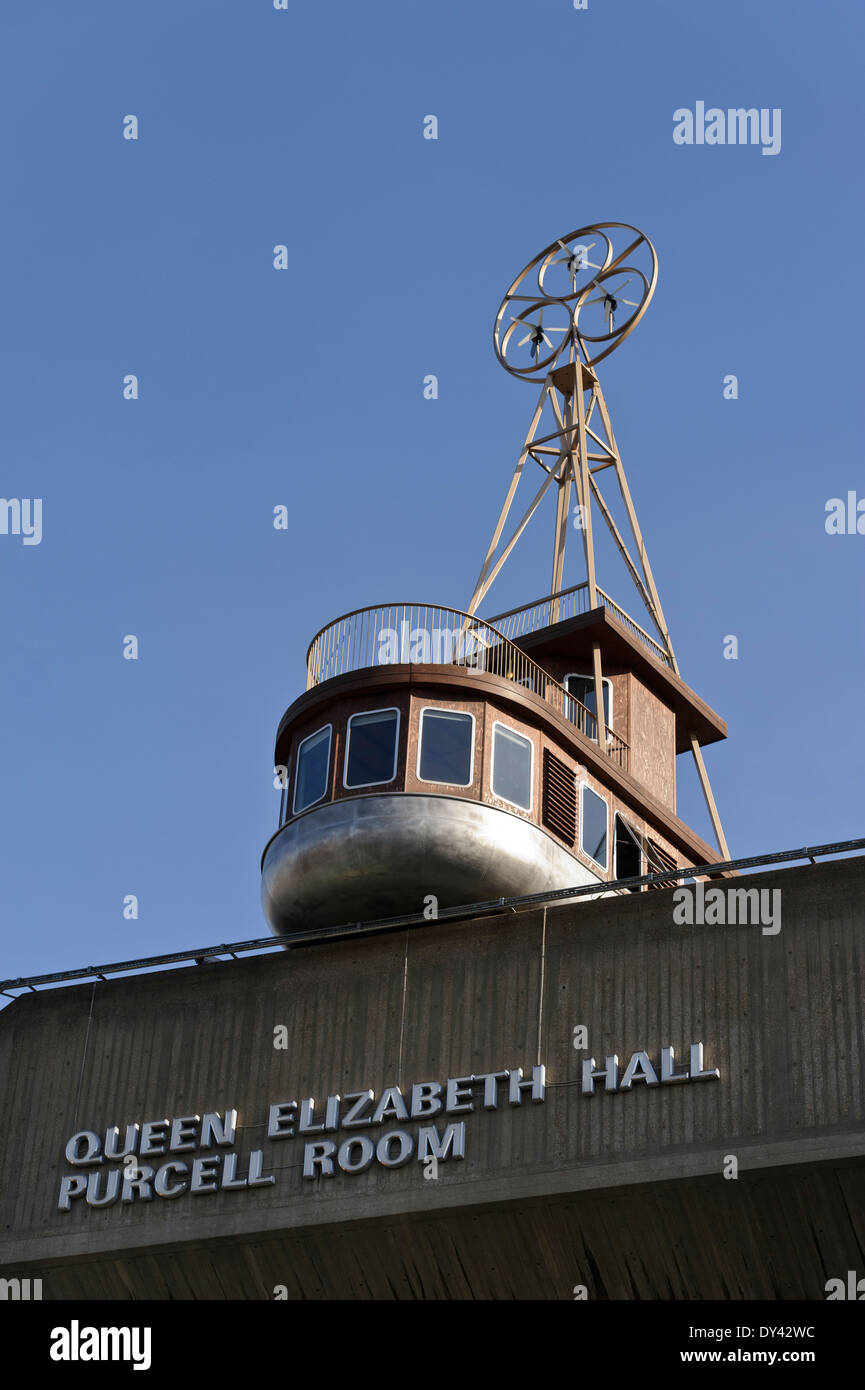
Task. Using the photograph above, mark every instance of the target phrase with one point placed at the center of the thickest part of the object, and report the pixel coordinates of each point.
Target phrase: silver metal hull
(381, 856)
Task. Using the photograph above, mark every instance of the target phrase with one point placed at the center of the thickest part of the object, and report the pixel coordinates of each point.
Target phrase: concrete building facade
(491, 1178)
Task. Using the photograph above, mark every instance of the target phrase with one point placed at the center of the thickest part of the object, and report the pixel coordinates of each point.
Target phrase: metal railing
(423, 634)
(203, 955)
(569, 603)
(543, 612)
(654, 647)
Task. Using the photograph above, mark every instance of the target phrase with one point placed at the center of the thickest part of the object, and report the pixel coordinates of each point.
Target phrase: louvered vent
(659, 859)
(559, 798)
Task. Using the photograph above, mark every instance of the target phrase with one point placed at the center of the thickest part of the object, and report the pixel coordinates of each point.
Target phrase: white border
(444, 709)
(314, 734)
(586, 788)
(497, 724)
(383, 781)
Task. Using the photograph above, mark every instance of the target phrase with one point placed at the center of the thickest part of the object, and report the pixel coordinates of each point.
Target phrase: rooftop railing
(568, 603)
(204, 955)
(425, 634)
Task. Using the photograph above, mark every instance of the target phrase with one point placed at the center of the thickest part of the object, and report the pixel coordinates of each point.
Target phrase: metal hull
(380, 856)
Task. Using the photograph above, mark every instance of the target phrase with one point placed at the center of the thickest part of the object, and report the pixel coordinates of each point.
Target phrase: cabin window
(629, 855)
(583, 689)
(512, 767)
(283, 800)
(371, 745)
(313, 762)
(446, 751)
(593, 826)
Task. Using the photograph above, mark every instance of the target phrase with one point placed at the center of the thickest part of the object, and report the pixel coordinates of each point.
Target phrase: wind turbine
(538, 334)
(611, 301)
(575, 259)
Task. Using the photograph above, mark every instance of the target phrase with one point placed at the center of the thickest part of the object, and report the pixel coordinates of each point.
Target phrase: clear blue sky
(304, 387)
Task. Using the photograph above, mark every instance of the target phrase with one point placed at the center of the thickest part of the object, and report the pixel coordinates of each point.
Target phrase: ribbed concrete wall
(775, 1234)
(780, 1015)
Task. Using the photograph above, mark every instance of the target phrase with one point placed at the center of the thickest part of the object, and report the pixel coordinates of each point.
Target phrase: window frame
(527, 810)
(384, 782)
(605, 682)
(617, 815)
(300, 747)
(445, 709)
(583, 789)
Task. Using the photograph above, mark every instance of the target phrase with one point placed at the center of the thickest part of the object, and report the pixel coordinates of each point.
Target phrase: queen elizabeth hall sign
(136, 1175)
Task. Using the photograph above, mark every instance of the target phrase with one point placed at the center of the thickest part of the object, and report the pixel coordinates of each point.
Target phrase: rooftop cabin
(437, 755)
(440, 759)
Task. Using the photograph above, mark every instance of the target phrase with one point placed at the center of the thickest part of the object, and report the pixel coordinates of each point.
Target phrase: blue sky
(305, 388)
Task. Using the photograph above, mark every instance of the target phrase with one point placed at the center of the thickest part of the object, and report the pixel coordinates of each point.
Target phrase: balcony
(422, 634)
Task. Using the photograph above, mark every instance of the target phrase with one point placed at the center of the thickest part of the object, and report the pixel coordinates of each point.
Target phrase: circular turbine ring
(551, 282)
